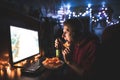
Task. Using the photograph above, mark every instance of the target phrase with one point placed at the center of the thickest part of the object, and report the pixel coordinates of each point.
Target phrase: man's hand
(66, 52)
(58, 43)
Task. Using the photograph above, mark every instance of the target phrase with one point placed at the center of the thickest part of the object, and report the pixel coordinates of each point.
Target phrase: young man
(79, 49)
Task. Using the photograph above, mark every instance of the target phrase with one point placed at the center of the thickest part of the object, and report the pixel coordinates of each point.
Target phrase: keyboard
(32, 67)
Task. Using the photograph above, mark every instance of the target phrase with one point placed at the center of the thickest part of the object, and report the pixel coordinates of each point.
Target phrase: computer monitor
(24, 43)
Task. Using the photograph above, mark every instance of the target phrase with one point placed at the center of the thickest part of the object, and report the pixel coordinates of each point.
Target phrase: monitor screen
(24, 43)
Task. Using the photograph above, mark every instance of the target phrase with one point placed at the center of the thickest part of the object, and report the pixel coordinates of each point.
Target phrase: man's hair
(76, 28)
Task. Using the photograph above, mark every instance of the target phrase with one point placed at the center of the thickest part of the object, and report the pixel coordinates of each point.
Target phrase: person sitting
(79, 48)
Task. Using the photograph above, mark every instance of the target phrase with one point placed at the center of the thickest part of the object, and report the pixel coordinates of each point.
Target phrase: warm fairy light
(18, 70)
(31, 61)
(24, 62)
(6, 55)
(1, 66)
(10, 72)
(37, 57)
(4, 63)
(6, 69)
(1, 71)
(21, 63)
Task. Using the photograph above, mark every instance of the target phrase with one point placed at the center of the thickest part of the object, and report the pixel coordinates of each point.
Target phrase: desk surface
(47, 74)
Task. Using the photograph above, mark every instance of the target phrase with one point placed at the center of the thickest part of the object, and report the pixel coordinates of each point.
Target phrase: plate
(52, 63)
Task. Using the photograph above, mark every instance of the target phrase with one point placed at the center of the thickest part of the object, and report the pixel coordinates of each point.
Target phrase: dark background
(20, 13)
(53, 5)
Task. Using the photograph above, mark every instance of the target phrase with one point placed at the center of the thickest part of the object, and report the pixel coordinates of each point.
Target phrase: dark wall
(9, 17)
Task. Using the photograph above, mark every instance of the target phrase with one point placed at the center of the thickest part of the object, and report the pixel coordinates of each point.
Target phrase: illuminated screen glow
(24, 43)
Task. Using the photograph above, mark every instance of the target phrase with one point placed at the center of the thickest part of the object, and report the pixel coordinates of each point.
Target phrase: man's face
(66, 34)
